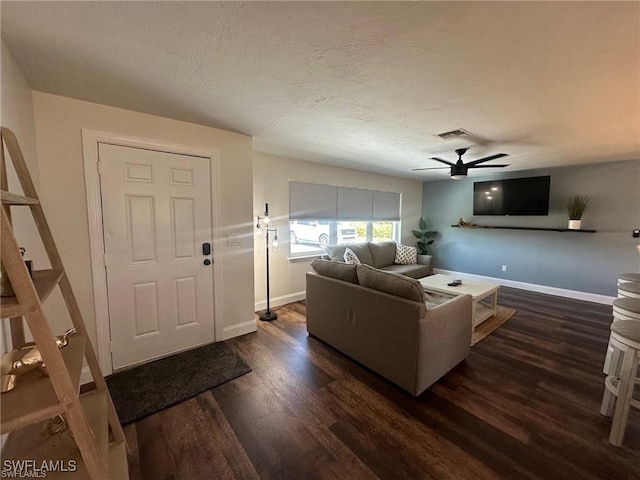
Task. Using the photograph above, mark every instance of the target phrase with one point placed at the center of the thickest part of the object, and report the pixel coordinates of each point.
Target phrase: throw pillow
(406, 255)
(350, 257)
(335, 252)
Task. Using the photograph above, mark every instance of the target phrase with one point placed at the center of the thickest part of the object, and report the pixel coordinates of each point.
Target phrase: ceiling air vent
(453, 134)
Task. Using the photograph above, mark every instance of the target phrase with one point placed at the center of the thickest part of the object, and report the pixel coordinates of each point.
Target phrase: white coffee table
(484, 295)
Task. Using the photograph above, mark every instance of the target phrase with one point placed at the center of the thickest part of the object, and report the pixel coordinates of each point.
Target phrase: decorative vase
(575, 224)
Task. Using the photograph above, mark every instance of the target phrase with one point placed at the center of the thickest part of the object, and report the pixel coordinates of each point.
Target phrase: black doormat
(149, 388)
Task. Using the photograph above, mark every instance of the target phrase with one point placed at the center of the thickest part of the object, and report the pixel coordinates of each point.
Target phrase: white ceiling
(366, 85)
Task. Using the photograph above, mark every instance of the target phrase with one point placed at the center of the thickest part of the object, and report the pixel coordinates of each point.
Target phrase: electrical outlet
(504, 268)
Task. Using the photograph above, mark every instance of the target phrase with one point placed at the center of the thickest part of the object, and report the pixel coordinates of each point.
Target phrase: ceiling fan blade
(429, 168)
(443, 161)
(487, 166)
(486, 159)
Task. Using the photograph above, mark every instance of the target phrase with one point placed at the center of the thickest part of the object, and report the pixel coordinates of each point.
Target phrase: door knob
(207, 261)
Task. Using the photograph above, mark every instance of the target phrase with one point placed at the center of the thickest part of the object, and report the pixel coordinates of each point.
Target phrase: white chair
(624, 308)
(629, 289)
(629, 278)
(617, 398)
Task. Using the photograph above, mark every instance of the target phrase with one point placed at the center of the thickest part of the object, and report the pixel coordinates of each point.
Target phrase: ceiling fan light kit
(460, 169)
(458, 172)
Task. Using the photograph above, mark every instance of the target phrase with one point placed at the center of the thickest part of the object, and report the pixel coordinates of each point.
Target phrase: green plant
(424, 236)
(576, 206)
(382, 231)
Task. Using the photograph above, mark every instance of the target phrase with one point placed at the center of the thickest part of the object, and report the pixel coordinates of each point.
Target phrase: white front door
(157, 226)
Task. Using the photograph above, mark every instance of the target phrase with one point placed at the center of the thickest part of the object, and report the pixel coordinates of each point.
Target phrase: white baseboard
(239, 329)
(532, 287)
(283, 300)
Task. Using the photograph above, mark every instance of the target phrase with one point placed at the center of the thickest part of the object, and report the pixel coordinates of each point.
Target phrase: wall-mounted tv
(513, 196)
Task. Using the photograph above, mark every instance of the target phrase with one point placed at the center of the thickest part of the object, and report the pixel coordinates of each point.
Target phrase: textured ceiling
(366, 85)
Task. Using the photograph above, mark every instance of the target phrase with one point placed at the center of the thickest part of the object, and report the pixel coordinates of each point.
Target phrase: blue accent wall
(587, 262)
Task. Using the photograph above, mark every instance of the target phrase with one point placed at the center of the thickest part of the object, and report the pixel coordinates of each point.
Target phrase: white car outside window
(318, 233)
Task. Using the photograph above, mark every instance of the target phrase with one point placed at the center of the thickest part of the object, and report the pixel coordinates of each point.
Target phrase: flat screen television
(513, 196)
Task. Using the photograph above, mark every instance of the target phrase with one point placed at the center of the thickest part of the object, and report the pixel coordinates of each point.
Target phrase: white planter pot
(575, 224)
(424, 259)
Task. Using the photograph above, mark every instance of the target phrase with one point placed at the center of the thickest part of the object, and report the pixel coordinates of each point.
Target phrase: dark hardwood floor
(525, 404)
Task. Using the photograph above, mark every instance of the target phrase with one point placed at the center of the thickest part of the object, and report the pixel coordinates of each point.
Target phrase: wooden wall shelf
(44, 281)
(541, 229)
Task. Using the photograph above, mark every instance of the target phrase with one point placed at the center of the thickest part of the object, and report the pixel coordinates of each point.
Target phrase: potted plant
(576, 206)
(425, 239)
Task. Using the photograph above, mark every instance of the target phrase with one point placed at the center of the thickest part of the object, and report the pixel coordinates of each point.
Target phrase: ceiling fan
(459, 169)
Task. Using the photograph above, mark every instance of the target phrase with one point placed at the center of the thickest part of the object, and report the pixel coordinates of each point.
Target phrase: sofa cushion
(406, 255)
(350, 257)
(391, 283)
(336, 252)
(413, 271)
(382, 253)
(338, 270)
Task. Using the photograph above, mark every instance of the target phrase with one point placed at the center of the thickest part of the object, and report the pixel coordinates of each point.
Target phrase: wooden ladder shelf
(94, 445)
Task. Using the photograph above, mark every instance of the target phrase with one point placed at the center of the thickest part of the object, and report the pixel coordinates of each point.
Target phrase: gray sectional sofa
(381, 320)
(381, 255)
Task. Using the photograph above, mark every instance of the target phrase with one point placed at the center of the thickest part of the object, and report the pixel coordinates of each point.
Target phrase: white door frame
(90, 140)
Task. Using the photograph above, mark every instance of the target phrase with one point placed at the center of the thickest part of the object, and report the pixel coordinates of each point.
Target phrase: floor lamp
(268, 315)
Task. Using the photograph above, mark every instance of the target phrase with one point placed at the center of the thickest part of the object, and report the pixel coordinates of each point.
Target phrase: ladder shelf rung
(44, 281)
(34, 399)
(9, 198)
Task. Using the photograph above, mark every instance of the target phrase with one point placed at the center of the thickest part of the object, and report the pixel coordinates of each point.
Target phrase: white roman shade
(354, 204)
(311, 201)
(385, 206)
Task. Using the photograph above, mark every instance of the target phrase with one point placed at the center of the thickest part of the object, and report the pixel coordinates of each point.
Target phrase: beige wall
(271, 175)
(16, 112)
(59, 122)
(17, 108)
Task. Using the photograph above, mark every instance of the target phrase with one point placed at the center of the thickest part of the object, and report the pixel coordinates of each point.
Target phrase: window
(321, 215)
(385, 231)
